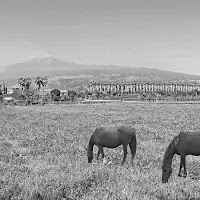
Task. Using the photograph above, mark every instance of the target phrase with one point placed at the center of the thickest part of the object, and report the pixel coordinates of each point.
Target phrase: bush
(56, 98)
(29, 93)
(55, 92)
(72, 93)
(55, 95)
(17, 94)
(24, 94)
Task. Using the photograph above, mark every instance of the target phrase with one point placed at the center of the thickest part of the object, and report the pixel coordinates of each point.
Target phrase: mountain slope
(38, 66)
(62, 73)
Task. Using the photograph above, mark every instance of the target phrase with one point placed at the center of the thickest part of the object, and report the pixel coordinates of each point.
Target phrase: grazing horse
(112, 137)
(186, 143)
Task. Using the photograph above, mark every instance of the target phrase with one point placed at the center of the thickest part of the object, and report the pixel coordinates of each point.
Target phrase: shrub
(55, 95)
(29, 92)
(55, 98)
(17, 94)
(55, 92)
(1, 97)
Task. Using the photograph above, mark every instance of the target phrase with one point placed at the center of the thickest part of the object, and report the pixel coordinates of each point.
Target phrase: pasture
(43, 156)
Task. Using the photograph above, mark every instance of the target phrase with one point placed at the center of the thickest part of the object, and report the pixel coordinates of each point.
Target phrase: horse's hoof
(131, 163)
(104, 161)
(184, 175)
(110, 163)
(164, 181)
(179, 175)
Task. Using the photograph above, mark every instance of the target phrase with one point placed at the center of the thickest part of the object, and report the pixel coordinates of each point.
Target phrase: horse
(186, 143)
(112, 137)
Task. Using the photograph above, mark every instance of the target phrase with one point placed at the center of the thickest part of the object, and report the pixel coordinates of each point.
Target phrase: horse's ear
(176, 140)
(97, 129)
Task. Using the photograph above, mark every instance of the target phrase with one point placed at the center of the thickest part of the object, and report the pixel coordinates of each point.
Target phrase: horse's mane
(170, 149)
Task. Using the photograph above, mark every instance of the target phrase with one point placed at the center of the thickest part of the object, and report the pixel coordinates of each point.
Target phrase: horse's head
(89, 155)
(166, 172)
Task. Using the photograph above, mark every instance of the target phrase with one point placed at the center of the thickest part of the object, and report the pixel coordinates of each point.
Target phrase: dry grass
(43, 156)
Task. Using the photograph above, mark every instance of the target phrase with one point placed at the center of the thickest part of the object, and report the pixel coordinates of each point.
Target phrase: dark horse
(186, 143)
(112, 137)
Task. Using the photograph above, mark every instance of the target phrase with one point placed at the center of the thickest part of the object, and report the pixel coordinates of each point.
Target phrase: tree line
(36, 95)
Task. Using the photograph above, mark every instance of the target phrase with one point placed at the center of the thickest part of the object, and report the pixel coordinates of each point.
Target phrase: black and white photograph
(99, 100)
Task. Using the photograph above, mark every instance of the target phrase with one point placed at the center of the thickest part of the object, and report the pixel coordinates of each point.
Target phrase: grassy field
(43, 156)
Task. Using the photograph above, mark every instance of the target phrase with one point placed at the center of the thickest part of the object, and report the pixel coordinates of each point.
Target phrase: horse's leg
(125, 153)
(132, 146)
(98, 155)
(179, 173)
(185, 171)
(181, 165)
(102, 153)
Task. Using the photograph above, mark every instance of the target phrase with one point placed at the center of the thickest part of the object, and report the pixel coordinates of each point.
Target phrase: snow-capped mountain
(50, 60)
(49, 66)
(39, 66)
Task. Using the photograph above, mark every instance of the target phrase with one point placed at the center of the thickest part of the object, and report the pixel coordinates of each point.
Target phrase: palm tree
(25, 83)
(41, 82)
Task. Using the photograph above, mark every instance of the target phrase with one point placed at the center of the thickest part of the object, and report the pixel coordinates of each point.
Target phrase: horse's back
(128, 129)
(113, 136)
(116, 130)
(189, 136)
(189, 143)
(124, 129)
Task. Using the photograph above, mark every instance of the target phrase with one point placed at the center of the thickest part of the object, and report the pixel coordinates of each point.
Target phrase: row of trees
(34, 94)
(150, 96)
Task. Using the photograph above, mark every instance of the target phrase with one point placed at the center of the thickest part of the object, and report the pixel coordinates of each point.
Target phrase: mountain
(45, 66)
(64, 74)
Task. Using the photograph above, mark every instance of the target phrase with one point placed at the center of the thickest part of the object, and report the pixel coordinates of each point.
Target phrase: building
(140, 86)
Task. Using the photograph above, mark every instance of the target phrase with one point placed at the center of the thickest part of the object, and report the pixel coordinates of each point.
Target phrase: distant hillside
(65, 74)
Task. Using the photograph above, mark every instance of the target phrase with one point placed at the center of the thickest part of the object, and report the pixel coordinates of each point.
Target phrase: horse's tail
(90, 149)
(133, 143)
(91, 143)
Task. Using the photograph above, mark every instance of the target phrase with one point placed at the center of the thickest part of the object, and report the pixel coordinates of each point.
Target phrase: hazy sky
(164, 34)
